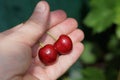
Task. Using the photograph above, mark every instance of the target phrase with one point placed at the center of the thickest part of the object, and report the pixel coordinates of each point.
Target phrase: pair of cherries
(49, 53)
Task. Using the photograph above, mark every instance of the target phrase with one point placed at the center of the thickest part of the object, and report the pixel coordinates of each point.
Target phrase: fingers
(56, 17)
(65, 27)
(34, 27)
(62, 28)
(77, 35)
(64, 62)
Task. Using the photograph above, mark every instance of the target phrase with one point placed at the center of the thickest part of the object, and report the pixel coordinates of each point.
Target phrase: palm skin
(19, 45)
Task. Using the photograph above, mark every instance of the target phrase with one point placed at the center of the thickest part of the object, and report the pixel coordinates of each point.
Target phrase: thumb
(33, 29)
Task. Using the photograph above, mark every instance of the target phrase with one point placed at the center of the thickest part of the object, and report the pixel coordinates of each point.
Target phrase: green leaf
(75, 75)
(74, 72)
(108, 56)
(92, 73)
(118, 31)
(102, 4)
(117, 12)
(66, 78)
(101, 15)
(88, 56)
(113, 42)
(99, 20)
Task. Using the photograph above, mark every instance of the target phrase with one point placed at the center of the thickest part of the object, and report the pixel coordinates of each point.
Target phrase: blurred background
(100, 21)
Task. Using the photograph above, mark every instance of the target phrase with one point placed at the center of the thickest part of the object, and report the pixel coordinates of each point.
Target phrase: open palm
(23, 42)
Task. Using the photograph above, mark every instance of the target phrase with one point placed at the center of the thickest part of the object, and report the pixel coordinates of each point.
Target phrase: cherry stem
(51, 36)
(41, 45)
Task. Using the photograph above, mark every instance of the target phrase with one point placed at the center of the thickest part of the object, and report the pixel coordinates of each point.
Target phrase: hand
(19, 45)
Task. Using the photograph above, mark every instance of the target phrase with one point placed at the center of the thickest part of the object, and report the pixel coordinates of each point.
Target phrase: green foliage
(114, 44)
(108, 57)
(103, 14)
(88, 52)
(92, 73)
(117, 12)
(99, 20)
(118, 31)
(75, 71)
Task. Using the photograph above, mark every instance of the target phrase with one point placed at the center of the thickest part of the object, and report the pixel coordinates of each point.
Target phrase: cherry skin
(47, 54)
(64, 44)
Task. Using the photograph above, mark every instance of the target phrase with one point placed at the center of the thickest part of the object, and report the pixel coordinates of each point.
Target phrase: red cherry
(63, 45)
(47, 54)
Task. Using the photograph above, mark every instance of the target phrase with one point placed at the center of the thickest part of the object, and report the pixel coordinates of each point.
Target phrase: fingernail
(41, 7)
